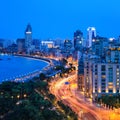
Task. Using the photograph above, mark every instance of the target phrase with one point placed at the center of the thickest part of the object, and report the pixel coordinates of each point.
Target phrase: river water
(12, 67)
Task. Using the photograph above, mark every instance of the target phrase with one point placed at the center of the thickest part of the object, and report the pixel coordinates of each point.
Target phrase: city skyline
(59, 19)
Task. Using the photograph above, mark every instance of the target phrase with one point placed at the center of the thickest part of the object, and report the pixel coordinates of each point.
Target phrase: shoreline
(27, 77)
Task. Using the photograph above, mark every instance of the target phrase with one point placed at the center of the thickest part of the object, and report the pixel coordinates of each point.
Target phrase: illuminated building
(47, 44)
(106, 79)
(78, 45)
(91, 35)
(78, 40)
(113, 54)
(28, 39)
(102, 77)
(80, 71)
(67, 46)
(89, 60)
(99, 46)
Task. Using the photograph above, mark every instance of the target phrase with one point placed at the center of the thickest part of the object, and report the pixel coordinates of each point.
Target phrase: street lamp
(18, 96)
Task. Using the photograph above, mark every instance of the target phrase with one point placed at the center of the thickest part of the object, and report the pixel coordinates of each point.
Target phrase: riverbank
(50, 67)
(29, 75)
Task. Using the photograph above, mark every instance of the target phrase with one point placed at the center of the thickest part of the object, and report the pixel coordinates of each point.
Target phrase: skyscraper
(91, 35)
(28, 39)
(99, 46)
(78, 45)
(78, 40)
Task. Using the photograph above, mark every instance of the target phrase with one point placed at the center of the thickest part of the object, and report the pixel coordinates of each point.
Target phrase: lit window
(117, 80)
(117, 83)
(103, 76)
(117, 73)
(110, 87)
(110, 83)
(117, 69)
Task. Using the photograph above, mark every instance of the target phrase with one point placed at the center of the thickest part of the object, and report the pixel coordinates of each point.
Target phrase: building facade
(102, 77)
(99, 46)
(106, 79)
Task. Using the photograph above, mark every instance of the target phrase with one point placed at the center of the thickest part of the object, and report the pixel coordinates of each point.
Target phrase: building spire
(28, 28)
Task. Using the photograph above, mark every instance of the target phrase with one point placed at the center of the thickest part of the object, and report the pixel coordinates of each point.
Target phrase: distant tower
(28, 39)
(78, 40)
(91, 36)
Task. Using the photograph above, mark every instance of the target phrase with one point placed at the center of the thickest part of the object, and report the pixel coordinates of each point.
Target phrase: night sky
(59, 18)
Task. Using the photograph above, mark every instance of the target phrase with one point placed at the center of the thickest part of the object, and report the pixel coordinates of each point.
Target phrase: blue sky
(59, 18)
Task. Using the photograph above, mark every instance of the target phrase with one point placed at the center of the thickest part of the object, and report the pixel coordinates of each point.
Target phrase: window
(103, 73)
(96, 91)
(117, 66)
(117, 73)
(96, 84)
(117, 69)
(95, 66)
(117, 91)
(95, 69)
(110, 91)
(95, 73)
(103, 90)
(103, 76)
(117, 83)
(103, 84)
(103, 68)
(110, 74)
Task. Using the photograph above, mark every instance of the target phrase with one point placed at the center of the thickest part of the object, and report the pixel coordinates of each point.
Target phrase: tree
(25, 111)
(42, 76)
(64, 61)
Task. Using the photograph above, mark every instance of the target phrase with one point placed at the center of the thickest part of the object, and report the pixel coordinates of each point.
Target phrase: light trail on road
(76, 101)
(58, 89)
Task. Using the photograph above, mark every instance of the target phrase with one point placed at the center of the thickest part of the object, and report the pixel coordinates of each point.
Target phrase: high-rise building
(113, 54)
(78, 40)
(36, 43)
(28, 39)
(80, 71)
(78, 45)
(119, 39)
(67, 46)
(21, 45)
(1, 43)
(99, 46)
(102, 77)
(12, 48)
(91, 35)
(106, 79)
